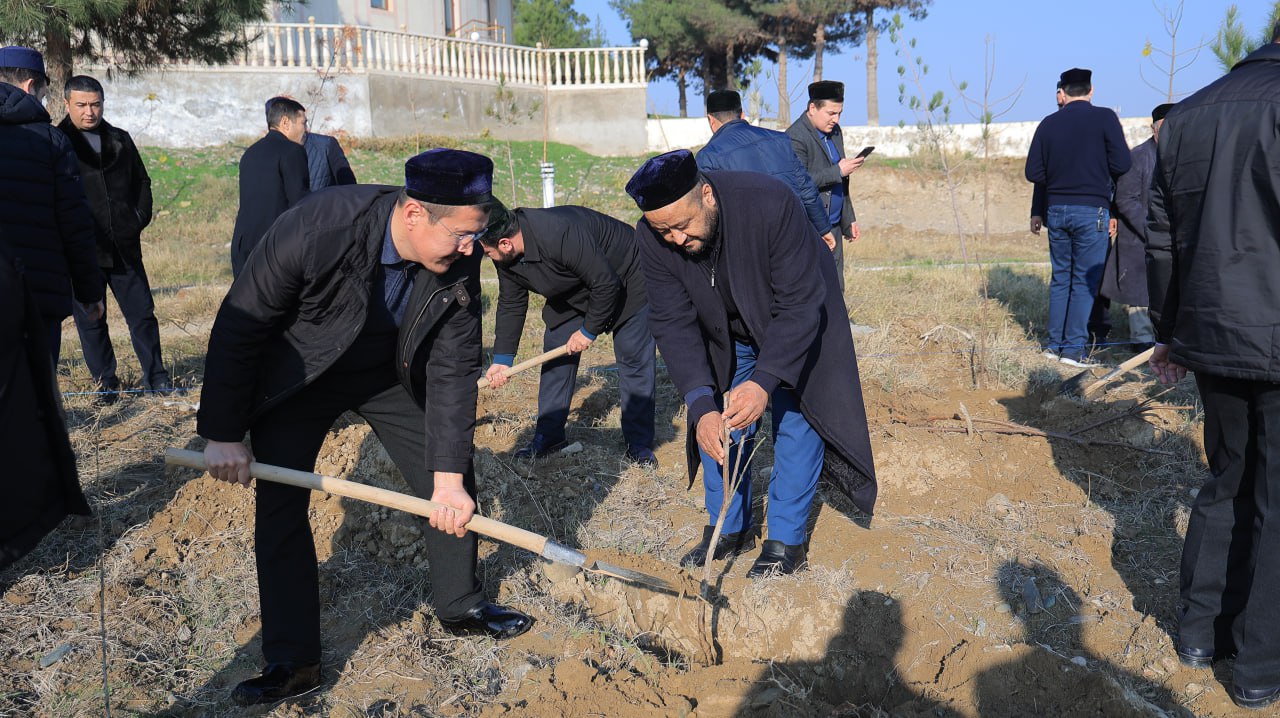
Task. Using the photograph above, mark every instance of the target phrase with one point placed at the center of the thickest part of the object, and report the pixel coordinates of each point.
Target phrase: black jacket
(40, 485)
(582, 261)
(807, 143)
(43, 214)
(302, 299)
(118, 188)
(273, 177)
(1215, 297)
(786, 291)
(1125, 278)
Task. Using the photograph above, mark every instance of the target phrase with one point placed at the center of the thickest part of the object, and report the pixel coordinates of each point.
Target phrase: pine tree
(553, 23)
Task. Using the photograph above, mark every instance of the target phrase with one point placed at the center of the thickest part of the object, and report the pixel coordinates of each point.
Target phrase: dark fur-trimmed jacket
(303, 297)
(118, 188)
(43, 214)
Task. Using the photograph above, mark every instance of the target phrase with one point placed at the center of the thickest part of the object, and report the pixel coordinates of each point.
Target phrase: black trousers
(1230, 583)
(291, 435)
(633, 349)
(128, 282)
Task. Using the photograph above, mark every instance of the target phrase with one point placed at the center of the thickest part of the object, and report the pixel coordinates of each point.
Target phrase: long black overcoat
(1124, 279)
(784, 285)
(273, 178)
(118, 188)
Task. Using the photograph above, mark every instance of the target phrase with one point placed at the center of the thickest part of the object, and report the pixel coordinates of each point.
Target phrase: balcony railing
(359, 49)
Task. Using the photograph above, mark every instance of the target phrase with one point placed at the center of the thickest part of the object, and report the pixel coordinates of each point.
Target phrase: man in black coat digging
(585, 264)
(362, 298)
(746, 308)
(119, 192)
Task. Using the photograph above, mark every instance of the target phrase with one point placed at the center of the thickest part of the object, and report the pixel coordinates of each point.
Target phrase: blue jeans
(797, 463)
(1078, 243)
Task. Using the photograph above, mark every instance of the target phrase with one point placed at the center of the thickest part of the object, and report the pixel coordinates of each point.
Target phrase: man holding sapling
(746, 309)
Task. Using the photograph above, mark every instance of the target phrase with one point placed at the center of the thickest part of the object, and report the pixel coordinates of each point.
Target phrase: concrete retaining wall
(1008, 139)
(186, 108)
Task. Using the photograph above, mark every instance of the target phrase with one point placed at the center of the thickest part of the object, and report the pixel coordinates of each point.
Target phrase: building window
(380, 4)
(448, 17)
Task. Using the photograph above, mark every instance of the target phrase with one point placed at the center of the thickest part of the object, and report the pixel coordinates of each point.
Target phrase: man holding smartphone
(819, 143)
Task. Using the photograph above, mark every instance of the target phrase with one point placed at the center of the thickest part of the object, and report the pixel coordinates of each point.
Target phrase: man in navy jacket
(1076, 153)
(746, 309)
(738, 145)
(585, 264)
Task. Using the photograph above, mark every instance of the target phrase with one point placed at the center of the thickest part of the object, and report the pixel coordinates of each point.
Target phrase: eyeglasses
(460, 238)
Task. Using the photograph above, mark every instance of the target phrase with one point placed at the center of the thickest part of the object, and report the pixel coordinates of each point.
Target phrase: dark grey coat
(1124, 279)
(784, 285)
(807, 142)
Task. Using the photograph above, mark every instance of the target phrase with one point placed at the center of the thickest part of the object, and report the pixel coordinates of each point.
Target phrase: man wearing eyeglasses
(364, 298)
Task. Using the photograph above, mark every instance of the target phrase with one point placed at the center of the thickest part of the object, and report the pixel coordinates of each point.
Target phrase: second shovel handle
(542, 358)
(391, 499)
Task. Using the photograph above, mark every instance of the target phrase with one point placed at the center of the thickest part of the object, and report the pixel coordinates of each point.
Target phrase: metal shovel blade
(563, 554)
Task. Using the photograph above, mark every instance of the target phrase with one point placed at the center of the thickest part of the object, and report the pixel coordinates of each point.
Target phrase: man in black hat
(364, 298)
(1076, 153)
(273, 177)
(738, 145)
(1124, 279)
(746, 309)
(1212, 263)
(44, 217)
(585, 264)
(818, 141)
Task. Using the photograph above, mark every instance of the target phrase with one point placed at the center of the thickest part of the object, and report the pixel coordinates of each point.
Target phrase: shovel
(542, 358)
(541, 545)
(1076, 385)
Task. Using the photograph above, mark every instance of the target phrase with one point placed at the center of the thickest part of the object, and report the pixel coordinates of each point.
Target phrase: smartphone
(866, 151)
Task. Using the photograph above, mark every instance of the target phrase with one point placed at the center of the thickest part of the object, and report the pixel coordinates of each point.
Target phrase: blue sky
(1034, 41)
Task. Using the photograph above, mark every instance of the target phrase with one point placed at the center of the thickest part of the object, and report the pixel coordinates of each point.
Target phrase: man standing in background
(1076, 153)
(119, 193)
(818, 141)
(273, 177)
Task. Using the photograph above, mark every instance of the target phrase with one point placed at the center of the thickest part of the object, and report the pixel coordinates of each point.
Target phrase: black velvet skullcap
(1075, 76)
(663, 180)
(826, 90)
(1160, 111)
(724, 101)
(455, 178)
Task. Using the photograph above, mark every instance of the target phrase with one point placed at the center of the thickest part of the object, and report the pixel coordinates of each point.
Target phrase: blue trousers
(797, 463)
(1078, 251)
(633, 349)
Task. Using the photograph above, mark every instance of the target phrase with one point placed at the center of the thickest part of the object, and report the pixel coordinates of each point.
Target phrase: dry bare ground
(1022, 560)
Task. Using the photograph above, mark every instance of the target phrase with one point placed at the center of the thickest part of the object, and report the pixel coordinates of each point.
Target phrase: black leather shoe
(1260, 698)
(642, 455)
(728, 545)
(779, 557)
(1194, 657)
(108, 392)
(489, 619)
(540, 446)
(278, 682)
(163, 387)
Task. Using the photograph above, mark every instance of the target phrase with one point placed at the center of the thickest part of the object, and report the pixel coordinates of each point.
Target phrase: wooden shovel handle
(422, 507)
(1129, 364)
(542, 358)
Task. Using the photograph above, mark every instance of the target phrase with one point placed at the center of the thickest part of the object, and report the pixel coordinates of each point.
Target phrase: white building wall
(422, 17)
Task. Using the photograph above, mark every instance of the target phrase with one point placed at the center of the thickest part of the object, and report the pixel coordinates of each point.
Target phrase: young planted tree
(131, 35)
(1171, 61)
(552, 23)
(675, 43)
(915, 9)
(1232, 42)
(986, 109)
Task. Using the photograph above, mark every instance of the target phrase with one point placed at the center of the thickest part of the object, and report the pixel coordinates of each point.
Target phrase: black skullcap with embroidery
(456, 178)
(1160, 111)
(1075, 76)
(663, 180)
(724, 101)
(826, 90)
